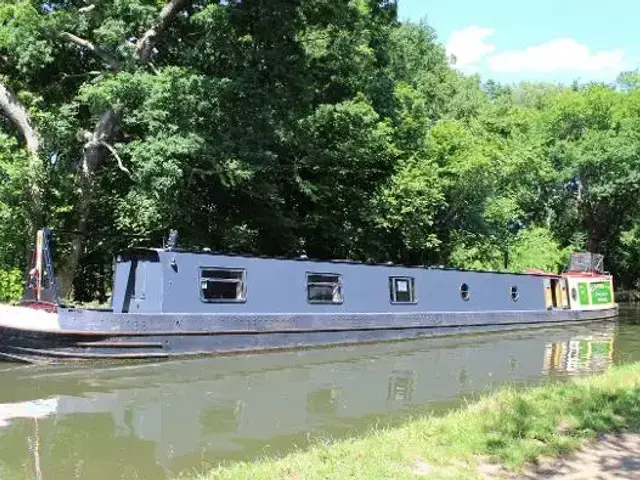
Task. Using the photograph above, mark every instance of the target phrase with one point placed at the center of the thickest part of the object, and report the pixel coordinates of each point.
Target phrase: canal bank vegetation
(512, 428)
(627, 296)
(319, 127)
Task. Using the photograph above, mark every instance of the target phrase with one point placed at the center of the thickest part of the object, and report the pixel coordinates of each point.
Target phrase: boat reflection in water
(580, 355)
(158, 420)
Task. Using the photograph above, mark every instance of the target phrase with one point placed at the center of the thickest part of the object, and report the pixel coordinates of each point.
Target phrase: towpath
(611, 457)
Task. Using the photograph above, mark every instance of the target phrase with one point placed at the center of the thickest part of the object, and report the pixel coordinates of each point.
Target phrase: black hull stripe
(99, 344)
(14, 358)
(57, 353)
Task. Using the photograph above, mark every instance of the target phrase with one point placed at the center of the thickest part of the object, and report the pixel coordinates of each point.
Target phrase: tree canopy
(321, 127)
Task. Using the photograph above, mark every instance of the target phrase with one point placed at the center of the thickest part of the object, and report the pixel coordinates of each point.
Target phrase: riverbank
(511, 428)
(627, 296)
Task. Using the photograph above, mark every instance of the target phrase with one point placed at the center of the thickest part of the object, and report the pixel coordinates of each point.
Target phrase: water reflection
(401, 386)
(157, 420)
(579, 355)
(221, 418)
(35, 409)
(323, 402)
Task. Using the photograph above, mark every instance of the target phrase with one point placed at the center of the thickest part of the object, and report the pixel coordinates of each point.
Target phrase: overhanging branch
(107, 57)
(17, 113)
(144, 46)
(103, 132)
(117, 157)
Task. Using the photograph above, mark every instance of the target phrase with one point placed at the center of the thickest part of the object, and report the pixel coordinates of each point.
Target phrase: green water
(153, 421)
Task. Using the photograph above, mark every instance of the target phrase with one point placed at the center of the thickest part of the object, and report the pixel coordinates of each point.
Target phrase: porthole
(515, 293)
(464, 292)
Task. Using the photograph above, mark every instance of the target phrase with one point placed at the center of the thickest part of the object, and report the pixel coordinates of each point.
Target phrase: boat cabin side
(175, 281)
(168, 281)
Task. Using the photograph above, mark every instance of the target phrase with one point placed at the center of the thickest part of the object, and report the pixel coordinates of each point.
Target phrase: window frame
(326, 274)
(515, 293)
(465, 292)
(393, 292)
(243, 281)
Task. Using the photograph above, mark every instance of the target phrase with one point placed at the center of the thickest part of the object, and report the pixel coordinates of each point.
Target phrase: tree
(62, 39)
(321, 127)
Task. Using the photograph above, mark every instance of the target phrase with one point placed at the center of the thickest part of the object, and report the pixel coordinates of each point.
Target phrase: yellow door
(548, 294)
(564, 293)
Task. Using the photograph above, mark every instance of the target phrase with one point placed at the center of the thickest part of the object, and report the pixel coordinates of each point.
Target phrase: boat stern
(590, 286)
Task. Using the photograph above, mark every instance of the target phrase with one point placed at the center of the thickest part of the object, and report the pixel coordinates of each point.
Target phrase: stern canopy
(586, 263)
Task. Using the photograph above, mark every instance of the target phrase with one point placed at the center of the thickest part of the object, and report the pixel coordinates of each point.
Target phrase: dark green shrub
(10, 285)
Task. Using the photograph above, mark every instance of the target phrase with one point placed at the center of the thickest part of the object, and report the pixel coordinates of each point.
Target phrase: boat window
(324, 288)
(222, 285)
(402, 289)
(515, 293)
(464, 292)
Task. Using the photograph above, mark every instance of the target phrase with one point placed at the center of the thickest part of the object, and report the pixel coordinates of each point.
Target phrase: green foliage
(14, 206)
(345, 152)
(24, 30)
(408, 205)
(324, 127)
(537, 249)
(629, 256)
(476, 252)
(10, 285)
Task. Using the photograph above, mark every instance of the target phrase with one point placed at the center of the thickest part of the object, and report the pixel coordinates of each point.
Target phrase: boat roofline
(587, 275)
(140, 251)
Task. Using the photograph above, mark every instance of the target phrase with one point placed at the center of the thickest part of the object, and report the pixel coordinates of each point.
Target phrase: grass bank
(511, 427)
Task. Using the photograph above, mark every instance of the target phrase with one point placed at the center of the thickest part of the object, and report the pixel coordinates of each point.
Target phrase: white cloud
(469, 46)
(473, 52)
(559, 54)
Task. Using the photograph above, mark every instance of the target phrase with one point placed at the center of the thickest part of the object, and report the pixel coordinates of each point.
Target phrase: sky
(542, 40)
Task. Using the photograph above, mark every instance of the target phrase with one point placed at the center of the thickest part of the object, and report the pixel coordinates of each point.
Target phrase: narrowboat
(168, 302)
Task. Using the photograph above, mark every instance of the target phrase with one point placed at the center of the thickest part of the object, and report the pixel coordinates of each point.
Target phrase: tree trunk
(593, 240)
(17, 113)
(104, 132)
(94, 153)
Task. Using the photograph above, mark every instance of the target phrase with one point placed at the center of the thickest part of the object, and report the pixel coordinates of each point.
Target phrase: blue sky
(547, 40)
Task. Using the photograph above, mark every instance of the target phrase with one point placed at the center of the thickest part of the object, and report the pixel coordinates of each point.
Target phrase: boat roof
(139, 252)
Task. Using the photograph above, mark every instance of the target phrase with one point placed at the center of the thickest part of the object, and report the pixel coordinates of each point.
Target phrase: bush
(536, 248)
(10, 285)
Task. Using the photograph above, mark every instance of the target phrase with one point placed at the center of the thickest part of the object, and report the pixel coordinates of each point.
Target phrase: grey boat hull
(77, 335)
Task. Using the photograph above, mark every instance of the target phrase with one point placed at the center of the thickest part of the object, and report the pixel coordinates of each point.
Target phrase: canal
(156, 421)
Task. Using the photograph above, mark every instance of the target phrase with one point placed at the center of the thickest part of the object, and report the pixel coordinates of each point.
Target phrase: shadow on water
(156, 420)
